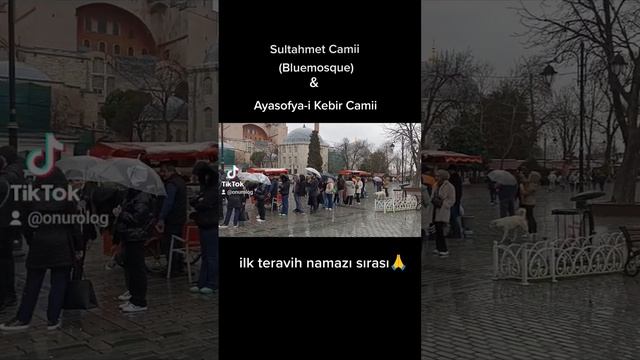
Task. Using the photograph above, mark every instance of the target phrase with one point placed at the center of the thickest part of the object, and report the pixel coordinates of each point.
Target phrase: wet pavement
(359, 220)
(467, 315)
(178, 324)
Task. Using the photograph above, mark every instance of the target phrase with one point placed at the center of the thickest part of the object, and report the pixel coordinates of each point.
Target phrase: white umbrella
(502, 177)
(377, 179)
(78, 167)
(131, 173)
(313, 171)
(254, 177)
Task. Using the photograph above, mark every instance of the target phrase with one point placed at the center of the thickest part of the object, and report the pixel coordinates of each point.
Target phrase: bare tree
(353, 152)
(445, 82)
(565, 124)
(163, 80)
(409, 134)
(607, 28)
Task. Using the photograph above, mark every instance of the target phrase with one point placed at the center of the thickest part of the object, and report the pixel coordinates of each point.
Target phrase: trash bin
(467, 225)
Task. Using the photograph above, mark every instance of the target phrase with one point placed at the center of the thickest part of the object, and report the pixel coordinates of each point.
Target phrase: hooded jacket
(137, 217)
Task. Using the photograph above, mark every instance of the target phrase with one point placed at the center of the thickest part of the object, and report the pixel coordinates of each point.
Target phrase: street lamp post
(402, 160)
(13, 125)
(392, 146)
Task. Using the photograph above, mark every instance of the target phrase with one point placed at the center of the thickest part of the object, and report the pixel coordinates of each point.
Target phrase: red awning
(157, 152)
(268, 171)
(449, 157)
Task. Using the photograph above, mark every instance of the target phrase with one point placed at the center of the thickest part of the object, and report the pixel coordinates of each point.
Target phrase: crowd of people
(135, 218)
(310, 193)
(442, 192)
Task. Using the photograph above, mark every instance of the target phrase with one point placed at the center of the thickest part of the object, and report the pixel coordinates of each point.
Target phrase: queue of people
(134, 216)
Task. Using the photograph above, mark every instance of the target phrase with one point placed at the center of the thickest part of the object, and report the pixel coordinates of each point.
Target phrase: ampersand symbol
(314, 82)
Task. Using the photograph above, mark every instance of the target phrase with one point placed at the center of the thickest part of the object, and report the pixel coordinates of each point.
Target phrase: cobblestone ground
(178, 324)
(354, 221)
(466, 315)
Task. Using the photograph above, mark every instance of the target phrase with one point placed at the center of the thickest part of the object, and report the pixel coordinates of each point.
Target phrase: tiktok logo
(51, 146)
(231, 174)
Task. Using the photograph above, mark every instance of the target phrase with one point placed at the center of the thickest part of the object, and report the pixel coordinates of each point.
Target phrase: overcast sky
(334, 133)
(486, 27)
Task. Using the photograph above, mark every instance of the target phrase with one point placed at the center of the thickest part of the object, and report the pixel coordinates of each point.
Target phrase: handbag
(80, 295)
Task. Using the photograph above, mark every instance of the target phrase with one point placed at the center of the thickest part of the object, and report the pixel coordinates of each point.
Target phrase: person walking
(552, 181)
(285, 187)
(235, 204)
(329, 194)
(205, 216)
(528, 190)
(11, 173)
(299, 191)
(134, 223)
(173, 214)
(51, 247)
(350, 192)
(443, 198)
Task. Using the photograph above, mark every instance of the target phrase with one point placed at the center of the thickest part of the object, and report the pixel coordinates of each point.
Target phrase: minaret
(434, 56)
(316, 127)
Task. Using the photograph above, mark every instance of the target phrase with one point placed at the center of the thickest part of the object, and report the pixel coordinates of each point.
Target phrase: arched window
(208, 118)
(207, 84)
(103, 47)
(130, 51)
(116, 49)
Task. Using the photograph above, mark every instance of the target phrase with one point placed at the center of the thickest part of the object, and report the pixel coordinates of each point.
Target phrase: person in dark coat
(134, 222)
(455, 221)
(235, 203)
(11, 173)
(261, 193)
(173, 214)
(206, 217)
(340, 190)
(285, 187)
(299, 191)
(312, 183)
(274, 193)
(51, 247)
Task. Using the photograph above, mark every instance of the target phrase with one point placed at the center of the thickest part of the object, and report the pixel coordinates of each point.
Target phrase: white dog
(512, 224)
(380, 195)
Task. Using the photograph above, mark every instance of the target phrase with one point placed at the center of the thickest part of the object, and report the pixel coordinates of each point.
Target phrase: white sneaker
(258, 217)
(443, 254)
(125, 297)
(436, 252)
(223, 226)
(55, 326)
(124, 305)
(260, 220)
(130, 308)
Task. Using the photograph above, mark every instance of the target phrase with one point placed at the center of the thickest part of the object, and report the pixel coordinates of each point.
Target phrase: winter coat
(206, 206)
(329, 189)
(136, 218)
(529, 188)
(53, 245)
(447, 193)
(360, 186)
(235, 200)
(341, 184)
(285, 186)
(300, 188)
(350, 188)
(313, 187)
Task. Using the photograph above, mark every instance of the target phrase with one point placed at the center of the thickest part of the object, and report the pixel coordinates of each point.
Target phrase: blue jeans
(209, 259)
(329, 201)
(59, 281)
(236, 216)
(285, 204)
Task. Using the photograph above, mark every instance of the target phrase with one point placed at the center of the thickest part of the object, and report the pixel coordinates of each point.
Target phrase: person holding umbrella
(312, 183)
(299, 191)
(134, 221)
(507, 187)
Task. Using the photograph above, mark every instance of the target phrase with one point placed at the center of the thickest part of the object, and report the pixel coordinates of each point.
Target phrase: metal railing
(553, 259)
